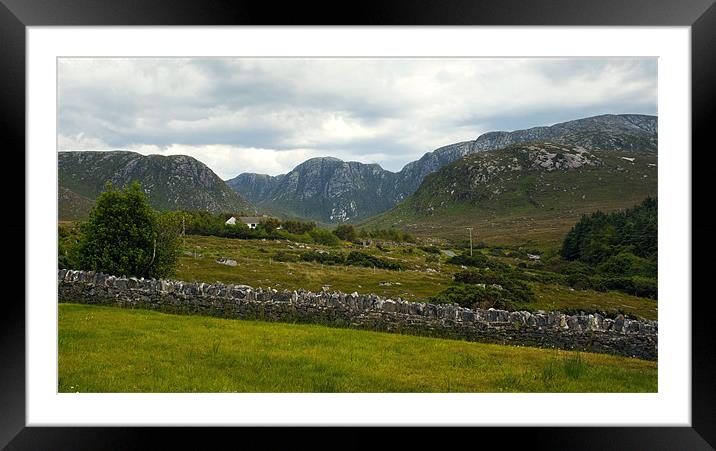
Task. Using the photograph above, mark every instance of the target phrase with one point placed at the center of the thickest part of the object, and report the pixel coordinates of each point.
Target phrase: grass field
(256, 267)
(108, 349)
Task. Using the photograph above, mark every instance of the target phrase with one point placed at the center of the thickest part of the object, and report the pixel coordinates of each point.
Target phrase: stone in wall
(592, 333)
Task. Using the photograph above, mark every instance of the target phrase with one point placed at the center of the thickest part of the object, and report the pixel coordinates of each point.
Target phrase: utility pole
(470, 230)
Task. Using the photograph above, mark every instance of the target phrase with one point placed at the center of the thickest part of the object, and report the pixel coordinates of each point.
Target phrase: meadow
(424, 274)
(108, 349)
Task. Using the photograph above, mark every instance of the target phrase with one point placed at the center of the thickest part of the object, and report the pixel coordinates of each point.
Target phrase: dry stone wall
(592, 333)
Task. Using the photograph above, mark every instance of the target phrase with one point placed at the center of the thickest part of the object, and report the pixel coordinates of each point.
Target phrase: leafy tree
(346, 232)
(67, 239)
(124, 236)
(270, 224)
(599, 236)
(298, 227)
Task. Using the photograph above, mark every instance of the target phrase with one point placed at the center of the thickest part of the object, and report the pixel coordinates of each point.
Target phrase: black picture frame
(16, 15)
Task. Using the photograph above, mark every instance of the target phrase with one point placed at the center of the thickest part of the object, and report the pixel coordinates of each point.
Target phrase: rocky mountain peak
(350, 191)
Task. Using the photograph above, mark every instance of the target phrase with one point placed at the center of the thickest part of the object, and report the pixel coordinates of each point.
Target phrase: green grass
(108, 349)
(554, 297)
(256, 267)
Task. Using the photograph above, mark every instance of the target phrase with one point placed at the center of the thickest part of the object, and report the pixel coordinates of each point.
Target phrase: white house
(250, 221)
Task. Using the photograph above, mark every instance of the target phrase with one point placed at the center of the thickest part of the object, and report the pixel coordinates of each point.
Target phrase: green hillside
(170, 182)
(521, 194)
(72, 206)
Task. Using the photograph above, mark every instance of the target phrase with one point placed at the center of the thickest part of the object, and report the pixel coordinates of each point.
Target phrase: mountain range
(170, 182)
(332, 191)
(524, 185)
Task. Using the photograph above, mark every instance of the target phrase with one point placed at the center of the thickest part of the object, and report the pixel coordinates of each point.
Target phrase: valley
(331, 191)
(473, 225)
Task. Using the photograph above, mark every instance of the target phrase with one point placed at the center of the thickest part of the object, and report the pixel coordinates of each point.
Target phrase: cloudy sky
(268, 115)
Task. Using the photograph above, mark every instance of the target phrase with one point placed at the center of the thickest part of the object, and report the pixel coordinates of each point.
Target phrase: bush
(269, 224)
(356, 258)
(124, 236)
(67, 243)
(635, 285)
(576, 267)
(430, 249)
(325, 237)
(346, 232)
(473, 296)
(298, 227)
(627, 264)
(322, 257)
(282, 256)
(432, 258)
(580, 281)
(515, 290)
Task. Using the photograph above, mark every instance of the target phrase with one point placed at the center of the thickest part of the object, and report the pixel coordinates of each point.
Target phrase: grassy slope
(256, 268)
(536, 209)
(106, 349)
(73, 206)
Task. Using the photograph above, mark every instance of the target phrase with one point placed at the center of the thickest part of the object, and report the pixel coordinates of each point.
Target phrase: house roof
(250, 219)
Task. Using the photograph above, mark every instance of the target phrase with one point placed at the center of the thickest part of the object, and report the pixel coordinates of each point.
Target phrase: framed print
(256, 224)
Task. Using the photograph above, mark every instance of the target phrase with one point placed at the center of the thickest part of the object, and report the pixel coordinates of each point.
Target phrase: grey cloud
(392, 109)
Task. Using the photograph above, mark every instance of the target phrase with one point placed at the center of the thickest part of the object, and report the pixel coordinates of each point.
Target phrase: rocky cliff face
(324, 189)
(333, 191)
(170, 182)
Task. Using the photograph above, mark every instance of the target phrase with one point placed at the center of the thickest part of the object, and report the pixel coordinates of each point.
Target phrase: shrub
(346, 232)
(270, 224)
(322, 257)
(325, 237)
(579, 281)
(635, 285)
(298, 227)
(67, 242)
(576, 267)
(124, 236)
(515, 290)
(628, 264)
(356, 258)
(282, 256)
(473, 296)
(430, 249)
